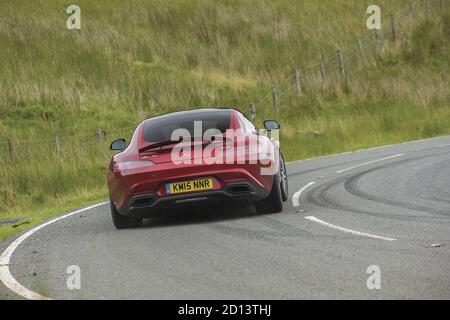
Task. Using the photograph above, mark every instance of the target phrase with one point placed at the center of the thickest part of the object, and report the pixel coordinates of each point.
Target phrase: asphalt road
(381, 207)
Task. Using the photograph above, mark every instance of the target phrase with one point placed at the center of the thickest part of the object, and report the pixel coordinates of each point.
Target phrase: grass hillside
(135, 59)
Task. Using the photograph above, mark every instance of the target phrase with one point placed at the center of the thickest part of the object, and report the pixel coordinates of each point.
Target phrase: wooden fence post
(100, 134)
(11, 149)
(410, 9)
(341, 63)
(378, 40)
(361, 50)
(57, 145)
(278, 29)
(393, 29)
(322, 67)
(427, 7)
(274, 98)
(252, 112)
(441, 4)
(298, 83)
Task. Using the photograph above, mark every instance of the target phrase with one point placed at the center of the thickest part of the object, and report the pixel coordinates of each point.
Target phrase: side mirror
(119, 145)
(270, 125)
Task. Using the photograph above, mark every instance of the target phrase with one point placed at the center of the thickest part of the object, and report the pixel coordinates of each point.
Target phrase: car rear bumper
(151, 184)
(143, 205)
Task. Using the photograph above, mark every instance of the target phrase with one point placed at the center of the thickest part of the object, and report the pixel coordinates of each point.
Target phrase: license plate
(189, 186)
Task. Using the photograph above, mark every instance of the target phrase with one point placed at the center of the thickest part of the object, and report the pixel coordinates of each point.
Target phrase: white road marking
(370, 162)
(297, 195)
(444, 145)
(5, 274)
(369, 149)
(332, 226)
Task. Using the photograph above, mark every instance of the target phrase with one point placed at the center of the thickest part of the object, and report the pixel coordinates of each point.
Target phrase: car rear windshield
(161, 128)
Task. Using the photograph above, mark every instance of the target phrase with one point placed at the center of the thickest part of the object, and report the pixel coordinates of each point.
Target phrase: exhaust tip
(240, 189)
(142, 202)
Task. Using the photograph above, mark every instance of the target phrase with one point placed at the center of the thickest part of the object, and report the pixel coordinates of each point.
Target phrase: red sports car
(196, 157)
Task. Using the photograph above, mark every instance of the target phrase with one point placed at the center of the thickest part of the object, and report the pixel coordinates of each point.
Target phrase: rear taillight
(128, 167)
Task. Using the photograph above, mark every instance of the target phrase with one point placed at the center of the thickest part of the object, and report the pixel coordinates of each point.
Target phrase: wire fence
(49, 148)
(332, 68)
(339, 66)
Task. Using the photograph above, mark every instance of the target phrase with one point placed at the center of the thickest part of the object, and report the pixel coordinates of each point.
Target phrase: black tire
(284, 183)
(122, 222)
(274, 202)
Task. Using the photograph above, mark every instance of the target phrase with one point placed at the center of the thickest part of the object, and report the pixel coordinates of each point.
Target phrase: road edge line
(5, 274)
(368, 149)
(371, 162)
(296, 196)
(358, 233)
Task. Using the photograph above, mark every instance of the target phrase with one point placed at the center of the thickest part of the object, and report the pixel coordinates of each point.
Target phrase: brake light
(125, 167)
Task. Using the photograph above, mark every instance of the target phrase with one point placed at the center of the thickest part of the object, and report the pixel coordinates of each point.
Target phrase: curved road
(380, 207)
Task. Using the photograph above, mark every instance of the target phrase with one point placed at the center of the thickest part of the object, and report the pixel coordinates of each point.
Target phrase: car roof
(191, 112)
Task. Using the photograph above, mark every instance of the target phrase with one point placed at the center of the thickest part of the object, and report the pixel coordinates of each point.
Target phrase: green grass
(134, 60)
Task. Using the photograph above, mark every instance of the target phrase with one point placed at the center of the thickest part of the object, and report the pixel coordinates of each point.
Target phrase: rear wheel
(122, 222)
(274, 202)
(283, 179)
